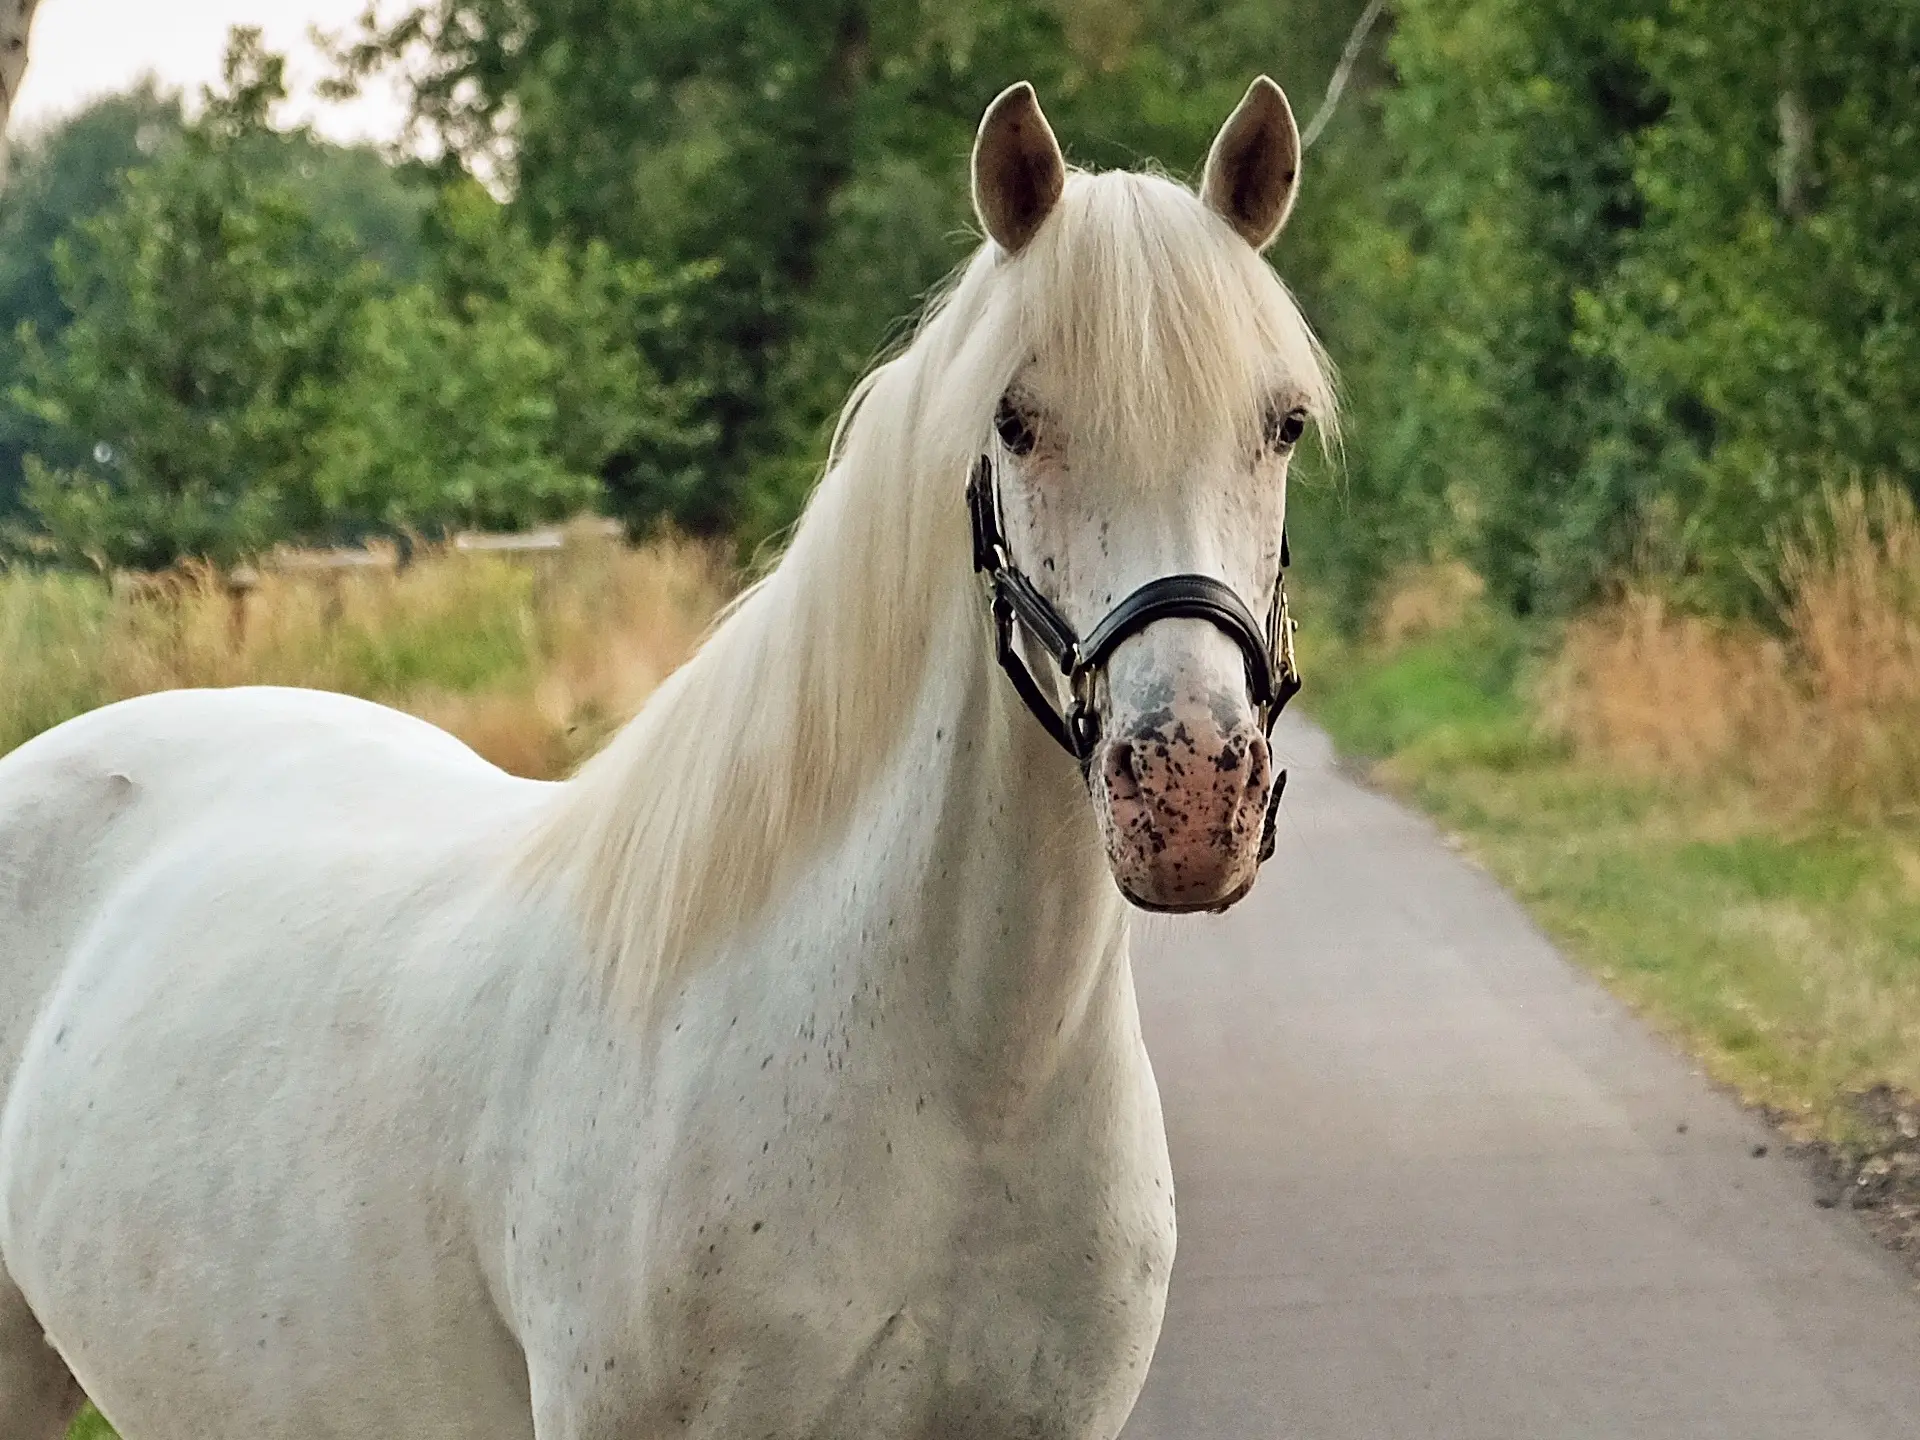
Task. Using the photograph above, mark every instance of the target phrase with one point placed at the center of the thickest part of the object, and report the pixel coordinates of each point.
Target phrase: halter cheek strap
(1272, 677)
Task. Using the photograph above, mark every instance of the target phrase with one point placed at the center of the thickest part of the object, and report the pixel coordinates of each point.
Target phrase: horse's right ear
(1018, 171)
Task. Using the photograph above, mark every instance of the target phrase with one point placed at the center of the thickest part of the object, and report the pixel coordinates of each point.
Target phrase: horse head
(1129, 500)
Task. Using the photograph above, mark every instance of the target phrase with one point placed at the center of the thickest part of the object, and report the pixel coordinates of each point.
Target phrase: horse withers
(779, 1074)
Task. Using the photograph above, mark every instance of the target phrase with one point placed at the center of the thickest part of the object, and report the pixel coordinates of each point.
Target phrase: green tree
(1631, 281)
(1501, 192)
(1766, 315)
(502, 395)
(356, 190)
(61, 179)
(73, 173)
(814, 155)
(211, 316)
(444, 422)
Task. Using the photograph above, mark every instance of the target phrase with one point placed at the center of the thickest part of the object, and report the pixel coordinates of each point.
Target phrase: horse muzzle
(1183, 806)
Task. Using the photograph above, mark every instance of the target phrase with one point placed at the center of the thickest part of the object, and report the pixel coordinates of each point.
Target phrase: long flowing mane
(748, 758)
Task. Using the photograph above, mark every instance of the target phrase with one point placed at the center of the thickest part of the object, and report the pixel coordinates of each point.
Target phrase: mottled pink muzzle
(1182, 803)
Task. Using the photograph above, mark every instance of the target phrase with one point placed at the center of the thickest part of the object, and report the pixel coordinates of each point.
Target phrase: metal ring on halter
(1272, 677)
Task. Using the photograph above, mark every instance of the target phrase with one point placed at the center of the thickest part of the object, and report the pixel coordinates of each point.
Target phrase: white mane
(745, 761)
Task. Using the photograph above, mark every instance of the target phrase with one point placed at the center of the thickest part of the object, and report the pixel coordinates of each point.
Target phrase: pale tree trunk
(1791, 165)
(15, 18)
(1349, 53)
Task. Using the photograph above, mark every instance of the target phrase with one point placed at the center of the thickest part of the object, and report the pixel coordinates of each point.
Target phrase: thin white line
(1348, 55)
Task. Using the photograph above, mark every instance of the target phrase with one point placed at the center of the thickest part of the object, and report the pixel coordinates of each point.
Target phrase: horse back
(85, 804)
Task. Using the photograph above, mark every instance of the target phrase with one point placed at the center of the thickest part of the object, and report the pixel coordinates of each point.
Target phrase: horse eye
(1284, 427)
(1014, 431)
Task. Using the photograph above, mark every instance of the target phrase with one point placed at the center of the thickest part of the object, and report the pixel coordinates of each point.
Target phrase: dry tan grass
(532, 659)
(1424, 600)
(1825, 714)
(1653, 692)
(1852, 590)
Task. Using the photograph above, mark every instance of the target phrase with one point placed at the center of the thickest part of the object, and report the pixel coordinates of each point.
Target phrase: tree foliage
(73, 173)
(211, 319)
(1634, 282)
(498, 396)
(813, 155)
(255, 341)
(1611, 283)
(1764, 319)
(1504, 190)
(60, 181)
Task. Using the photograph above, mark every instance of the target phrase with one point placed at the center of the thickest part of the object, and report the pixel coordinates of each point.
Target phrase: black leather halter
(1272, 677)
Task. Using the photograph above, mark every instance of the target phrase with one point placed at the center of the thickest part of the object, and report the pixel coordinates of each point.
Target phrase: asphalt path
(1435, 1184)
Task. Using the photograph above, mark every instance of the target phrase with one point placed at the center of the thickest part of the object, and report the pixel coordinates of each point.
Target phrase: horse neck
(844, 746)
(992, 880)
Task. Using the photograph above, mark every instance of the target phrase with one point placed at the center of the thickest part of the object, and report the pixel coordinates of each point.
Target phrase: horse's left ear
(1253, 169)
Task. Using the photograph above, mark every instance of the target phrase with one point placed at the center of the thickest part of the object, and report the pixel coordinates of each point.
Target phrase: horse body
(880, 1173)
(224, 1153)
(779, 1074)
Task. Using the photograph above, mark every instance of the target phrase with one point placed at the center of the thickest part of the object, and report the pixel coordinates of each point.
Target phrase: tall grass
(1721, 819)
(532, 660)
(1821, 713)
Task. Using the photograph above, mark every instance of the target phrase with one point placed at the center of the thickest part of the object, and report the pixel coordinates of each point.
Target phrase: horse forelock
(1166, 328)
(749, 759)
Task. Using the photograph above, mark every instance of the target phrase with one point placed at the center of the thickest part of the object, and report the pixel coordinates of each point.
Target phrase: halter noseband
(1272, 677)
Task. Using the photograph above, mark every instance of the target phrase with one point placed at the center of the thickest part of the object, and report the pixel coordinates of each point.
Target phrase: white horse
(780, 1074)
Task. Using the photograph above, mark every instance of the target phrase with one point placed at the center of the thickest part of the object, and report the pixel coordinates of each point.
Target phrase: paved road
(1433, 1185)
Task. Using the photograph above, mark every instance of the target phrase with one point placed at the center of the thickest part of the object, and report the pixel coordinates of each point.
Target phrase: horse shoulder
(248, 945)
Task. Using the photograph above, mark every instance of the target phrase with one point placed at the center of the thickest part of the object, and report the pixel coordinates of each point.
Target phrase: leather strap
(1187, 597)
(1272, 679)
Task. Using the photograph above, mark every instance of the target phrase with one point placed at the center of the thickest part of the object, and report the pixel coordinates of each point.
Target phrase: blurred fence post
(239, 582)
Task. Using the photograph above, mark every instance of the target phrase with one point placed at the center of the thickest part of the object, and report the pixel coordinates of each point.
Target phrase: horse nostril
(1259, 765)
(1123, 779)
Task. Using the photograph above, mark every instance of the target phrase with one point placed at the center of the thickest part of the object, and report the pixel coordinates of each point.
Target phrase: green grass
(530, 661)
(67, 644)
(1785, 954)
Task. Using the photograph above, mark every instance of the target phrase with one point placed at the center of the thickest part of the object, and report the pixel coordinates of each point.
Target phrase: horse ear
(1253, 169)
(1018, 171)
